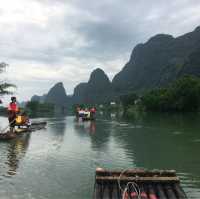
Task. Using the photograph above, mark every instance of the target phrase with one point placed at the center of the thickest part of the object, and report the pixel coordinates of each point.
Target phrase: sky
(48, 41)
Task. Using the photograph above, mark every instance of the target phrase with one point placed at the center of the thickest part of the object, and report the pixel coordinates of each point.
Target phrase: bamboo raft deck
(22, 129)
(137, 183)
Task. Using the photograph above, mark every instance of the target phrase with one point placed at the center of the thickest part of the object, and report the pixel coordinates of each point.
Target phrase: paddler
(77, 111)
(13, 109)
(92, 112)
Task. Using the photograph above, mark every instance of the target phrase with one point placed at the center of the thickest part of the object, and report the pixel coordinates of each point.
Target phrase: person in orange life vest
(12, 112)
(77, 111)
(92, 112)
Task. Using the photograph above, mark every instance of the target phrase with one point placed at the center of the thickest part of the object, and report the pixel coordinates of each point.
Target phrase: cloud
(46, 41)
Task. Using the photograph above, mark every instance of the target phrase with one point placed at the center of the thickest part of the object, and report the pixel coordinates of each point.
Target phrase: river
(60, 161)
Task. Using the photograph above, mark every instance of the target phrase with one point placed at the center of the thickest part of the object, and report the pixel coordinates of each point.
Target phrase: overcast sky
(47, 41)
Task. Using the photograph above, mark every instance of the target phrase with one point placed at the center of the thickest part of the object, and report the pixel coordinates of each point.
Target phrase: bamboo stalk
(179, 191)
(152, 194)
(140, 172)
(161, 192)
(170, 192)
(137, 179)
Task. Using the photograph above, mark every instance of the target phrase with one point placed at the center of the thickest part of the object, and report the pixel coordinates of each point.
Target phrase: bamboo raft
(7, 136)
(137, 184)
(22, 129)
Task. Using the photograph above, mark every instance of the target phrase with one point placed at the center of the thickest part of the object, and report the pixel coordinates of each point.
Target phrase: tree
(35, 108)
(186, 93)
(182, 95)
(4, 87)
(127, 100)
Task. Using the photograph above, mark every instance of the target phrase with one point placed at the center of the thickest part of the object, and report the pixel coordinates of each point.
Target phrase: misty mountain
(80, 93)
(192, 64)
(97, 90)
(38, 98)
(159, 61)
(57, 95)
(156, 63)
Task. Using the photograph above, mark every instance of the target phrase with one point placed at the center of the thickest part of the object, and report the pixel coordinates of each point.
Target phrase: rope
(135, 187)
(126, 189)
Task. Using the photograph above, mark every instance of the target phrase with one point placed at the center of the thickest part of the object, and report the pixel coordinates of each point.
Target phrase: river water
(60, 161)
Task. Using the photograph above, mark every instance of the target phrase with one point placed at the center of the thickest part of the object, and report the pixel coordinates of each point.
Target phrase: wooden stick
(170, 192)
(137, 179)
(140, 172)
(161, 192)
(179, 191)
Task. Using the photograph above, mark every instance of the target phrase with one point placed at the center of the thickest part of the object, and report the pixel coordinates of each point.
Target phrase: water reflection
(99, 132)
(80, 127)
(167, 141)
(57, 128)
(99, 136)
(92, 127)
(148, 140)
(169, 120)
(171, 136)
(85, 126)
(16, 151)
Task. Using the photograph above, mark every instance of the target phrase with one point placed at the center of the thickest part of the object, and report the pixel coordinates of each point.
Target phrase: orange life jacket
(93, 110)
(13, 107)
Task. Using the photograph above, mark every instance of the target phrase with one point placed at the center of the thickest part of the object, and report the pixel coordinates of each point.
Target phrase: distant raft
(86, 115)
(137, 183)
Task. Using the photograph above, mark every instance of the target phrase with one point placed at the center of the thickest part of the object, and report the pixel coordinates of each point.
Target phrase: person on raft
(13, 109)
(92, 112)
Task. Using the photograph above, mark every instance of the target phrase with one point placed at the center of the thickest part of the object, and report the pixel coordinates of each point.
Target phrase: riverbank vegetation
(35, 108)
(183, 95)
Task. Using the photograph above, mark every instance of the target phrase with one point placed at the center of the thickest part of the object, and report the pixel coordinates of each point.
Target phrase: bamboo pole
(137, 179)
(139, 172)
(161, 193)
(170, 192)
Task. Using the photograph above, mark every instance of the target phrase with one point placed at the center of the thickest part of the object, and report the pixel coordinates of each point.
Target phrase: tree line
(183, 95)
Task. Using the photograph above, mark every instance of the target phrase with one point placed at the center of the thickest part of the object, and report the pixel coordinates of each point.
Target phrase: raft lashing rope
(137, 184)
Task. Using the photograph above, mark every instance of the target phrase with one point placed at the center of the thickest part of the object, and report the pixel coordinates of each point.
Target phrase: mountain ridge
(155, 63)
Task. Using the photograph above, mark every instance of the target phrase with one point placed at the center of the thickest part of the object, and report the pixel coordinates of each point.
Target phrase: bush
(128, 100)
(34, 107)
(182, 95)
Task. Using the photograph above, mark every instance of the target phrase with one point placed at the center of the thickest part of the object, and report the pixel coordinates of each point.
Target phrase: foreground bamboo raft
(137, 183)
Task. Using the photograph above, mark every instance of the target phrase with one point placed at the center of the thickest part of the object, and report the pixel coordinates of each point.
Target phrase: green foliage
(182, 95)
(4, 87)
(107, 107)
(75, 106)
(34, 107)
(127, 100)
(179, 65)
